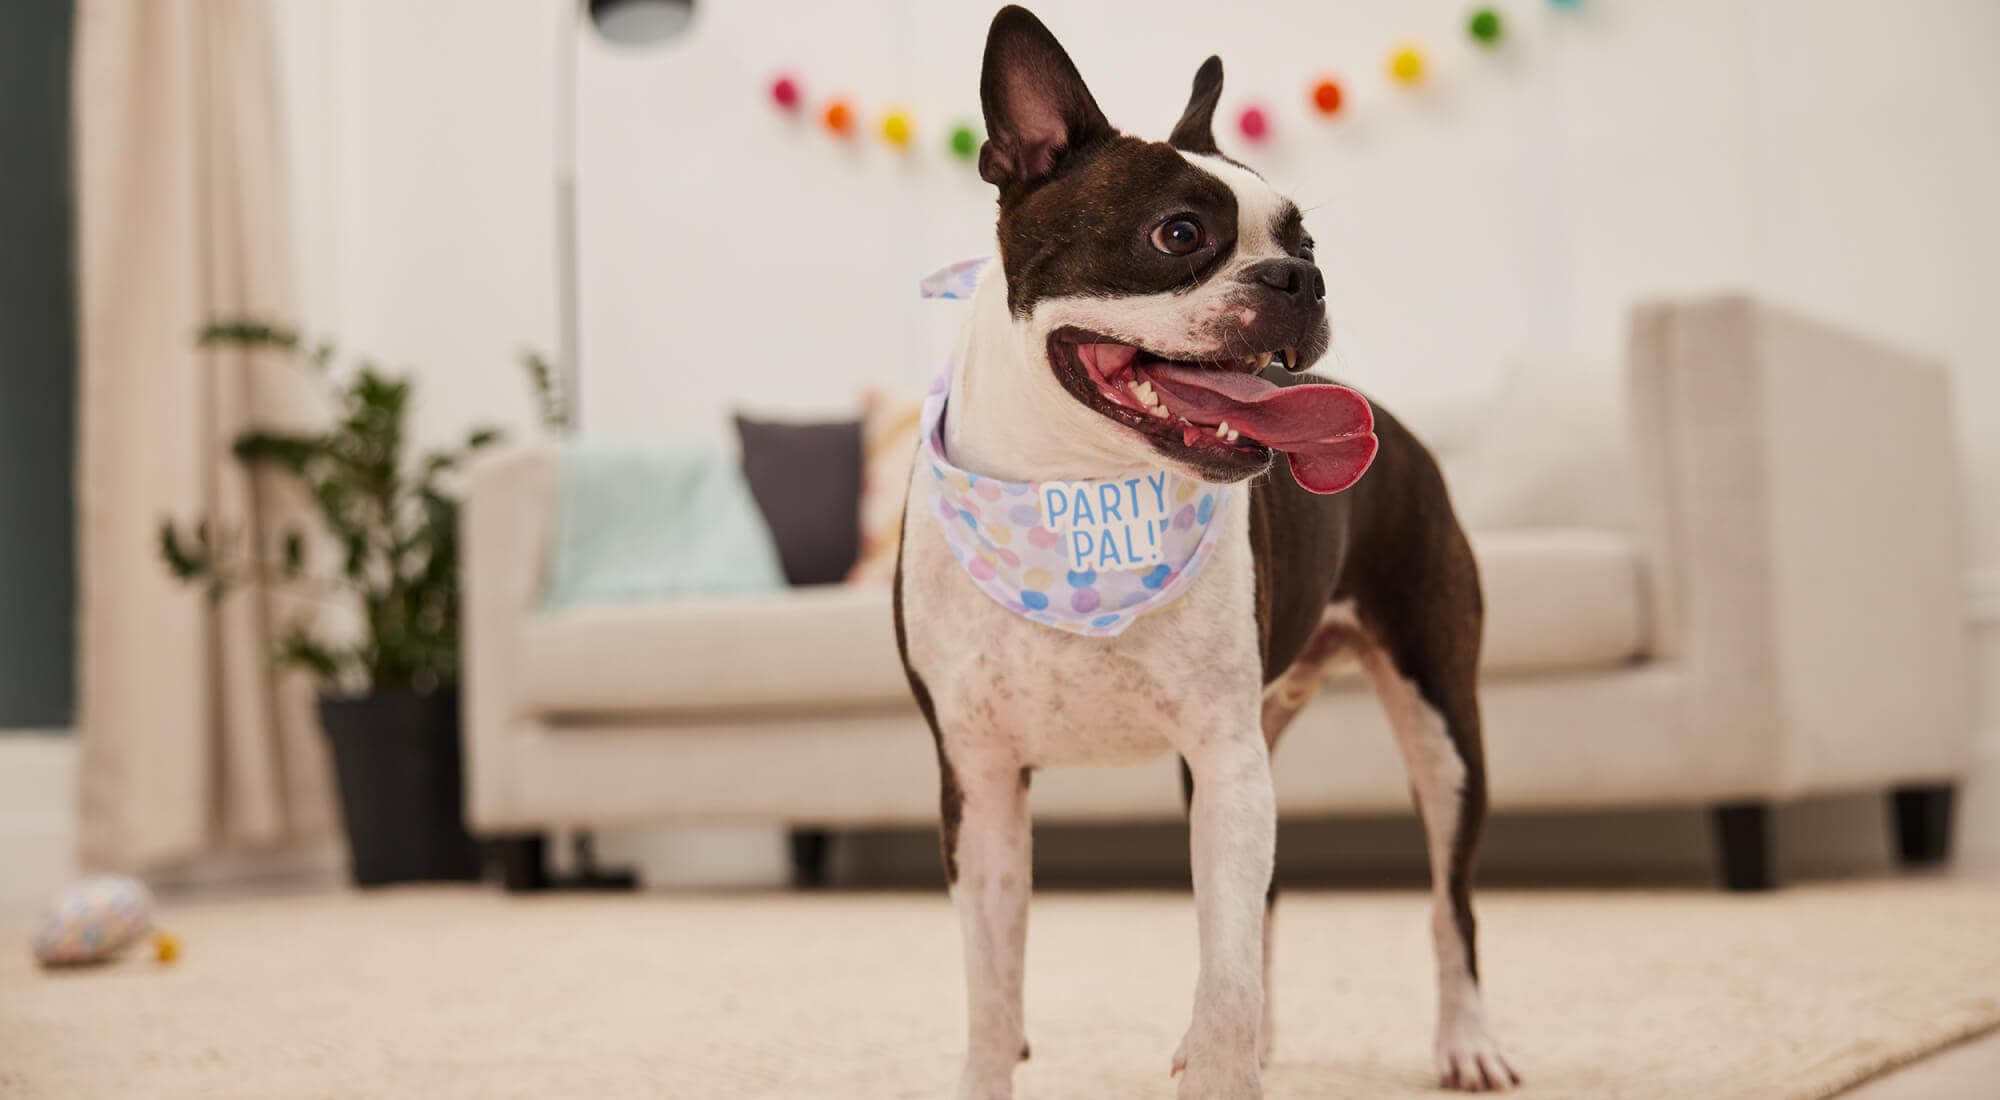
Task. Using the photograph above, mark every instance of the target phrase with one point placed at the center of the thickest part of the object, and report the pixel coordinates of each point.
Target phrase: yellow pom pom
(166, 947)
(896, 129)
(1407, 65)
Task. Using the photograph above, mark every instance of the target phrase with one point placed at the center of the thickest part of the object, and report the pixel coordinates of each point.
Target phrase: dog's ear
(1195, 132)
(1037, 107)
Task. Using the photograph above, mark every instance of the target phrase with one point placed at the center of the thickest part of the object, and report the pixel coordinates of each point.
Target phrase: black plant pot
(396, 757)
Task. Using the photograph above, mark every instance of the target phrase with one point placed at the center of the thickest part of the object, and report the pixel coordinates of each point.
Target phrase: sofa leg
(810, 851)
(523, 859)
(1921, 817)
(1744, 834)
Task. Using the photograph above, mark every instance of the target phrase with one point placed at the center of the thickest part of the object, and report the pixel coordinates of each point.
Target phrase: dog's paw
(988, 1081)
(1180, 1054)
(1469, 1060)
(1215, 1078)
(972, 1089)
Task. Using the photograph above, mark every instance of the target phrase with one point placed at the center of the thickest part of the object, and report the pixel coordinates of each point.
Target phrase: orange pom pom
(1327, 96)
(839, 118)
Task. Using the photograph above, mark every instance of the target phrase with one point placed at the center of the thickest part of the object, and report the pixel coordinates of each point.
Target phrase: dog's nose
(1297, 279)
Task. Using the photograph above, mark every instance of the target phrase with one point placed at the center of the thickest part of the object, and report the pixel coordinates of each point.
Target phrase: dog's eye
(1306, 252)
(1178, 236)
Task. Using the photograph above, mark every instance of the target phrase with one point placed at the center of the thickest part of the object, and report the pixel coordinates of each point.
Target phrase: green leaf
(303, 650)
(542, 380)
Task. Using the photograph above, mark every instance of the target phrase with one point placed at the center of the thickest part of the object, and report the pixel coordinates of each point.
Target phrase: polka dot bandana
(1088, 557)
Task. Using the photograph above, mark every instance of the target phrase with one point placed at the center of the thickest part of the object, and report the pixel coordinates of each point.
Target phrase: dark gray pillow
(807, 481)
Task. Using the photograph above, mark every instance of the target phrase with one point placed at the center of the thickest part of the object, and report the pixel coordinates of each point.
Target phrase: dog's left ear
(1037, 108)
(1195, 132)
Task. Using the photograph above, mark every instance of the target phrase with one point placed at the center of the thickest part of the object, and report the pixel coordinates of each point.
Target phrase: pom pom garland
(1407, 64)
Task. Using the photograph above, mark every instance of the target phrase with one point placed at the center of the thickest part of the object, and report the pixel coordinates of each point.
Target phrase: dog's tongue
(1327, 432)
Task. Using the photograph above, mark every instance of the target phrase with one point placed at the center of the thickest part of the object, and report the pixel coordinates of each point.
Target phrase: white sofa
(1781, 620)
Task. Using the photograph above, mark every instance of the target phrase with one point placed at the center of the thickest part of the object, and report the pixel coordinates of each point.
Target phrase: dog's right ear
(1037, 107)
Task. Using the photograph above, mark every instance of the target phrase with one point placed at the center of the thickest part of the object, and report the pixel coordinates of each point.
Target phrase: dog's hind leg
(1427, 684)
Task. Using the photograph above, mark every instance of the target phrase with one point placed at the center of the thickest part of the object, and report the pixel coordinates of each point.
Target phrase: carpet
(447, 994)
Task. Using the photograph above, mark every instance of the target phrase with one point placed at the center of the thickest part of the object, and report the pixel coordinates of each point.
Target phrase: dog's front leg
(1233, 826)
(990, 867)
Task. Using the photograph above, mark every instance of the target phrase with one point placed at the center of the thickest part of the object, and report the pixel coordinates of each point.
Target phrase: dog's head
(1159, 280)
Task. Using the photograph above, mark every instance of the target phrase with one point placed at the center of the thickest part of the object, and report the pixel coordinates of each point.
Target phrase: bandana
(1088, 557)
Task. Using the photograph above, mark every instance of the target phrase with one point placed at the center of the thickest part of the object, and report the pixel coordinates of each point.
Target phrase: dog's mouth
(1223, 418)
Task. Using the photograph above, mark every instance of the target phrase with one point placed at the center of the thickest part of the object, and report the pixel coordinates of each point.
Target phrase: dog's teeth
(1234, 435)
(1159, 411)
(1142, 392)
(1291, 359)
(1222, 429)
(1263, 360)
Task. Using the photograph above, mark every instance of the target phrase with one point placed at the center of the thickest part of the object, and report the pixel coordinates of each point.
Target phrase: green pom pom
(964, 141)
(1485, 26)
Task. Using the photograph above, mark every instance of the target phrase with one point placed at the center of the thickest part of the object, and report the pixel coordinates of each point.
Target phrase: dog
(1132, 369)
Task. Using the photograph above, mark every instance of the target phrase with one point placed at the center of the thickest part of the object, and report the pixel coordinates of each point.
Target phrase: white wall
(420, 134)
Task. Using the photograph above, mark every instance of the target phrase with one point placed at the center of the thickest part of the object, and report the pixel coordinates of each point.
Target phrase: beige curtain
(192, 742)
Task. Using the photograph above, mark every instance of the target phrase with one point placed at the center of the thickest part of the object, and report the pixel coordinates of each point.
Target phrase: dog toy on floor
(96, 920)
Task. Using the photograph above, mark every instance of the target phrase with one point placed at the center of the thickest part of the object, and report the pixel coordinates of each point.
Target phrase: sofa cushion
(1556, 600)
(817, 646)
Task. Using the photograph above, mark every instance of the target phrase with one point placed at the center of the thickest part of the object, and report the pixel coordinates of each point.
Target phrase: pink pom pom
(1254, 123)
(785, 93)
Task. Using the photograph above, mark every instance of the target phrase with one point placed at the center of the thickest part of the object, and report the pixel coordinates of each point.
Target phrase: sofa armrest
(504, 528)
(1802, 515)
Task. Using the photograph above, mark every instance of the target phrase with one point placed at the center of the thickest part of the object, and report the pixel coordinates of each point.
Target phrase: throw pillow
(888, 448)
(807, 481)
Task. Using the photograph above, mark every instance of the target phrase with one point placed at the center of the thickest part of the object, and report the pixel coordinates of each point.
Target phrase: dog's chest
(1049, 697)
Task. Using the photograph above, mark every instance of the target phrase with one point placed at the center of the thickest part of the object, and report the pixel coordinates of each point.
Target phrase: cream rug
(461, 994)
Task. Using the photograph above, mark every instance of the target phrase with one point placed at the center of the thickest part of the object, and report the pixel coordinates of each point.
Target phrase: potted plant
(386, 546)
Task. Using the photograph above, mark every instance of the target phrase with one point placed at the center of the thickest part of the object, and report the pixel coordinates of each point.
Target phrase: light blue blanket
(639, 522)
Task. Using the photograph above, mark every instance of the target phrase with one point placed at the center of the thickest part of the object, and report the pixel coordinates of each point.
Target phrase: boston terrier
(1103, 559)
